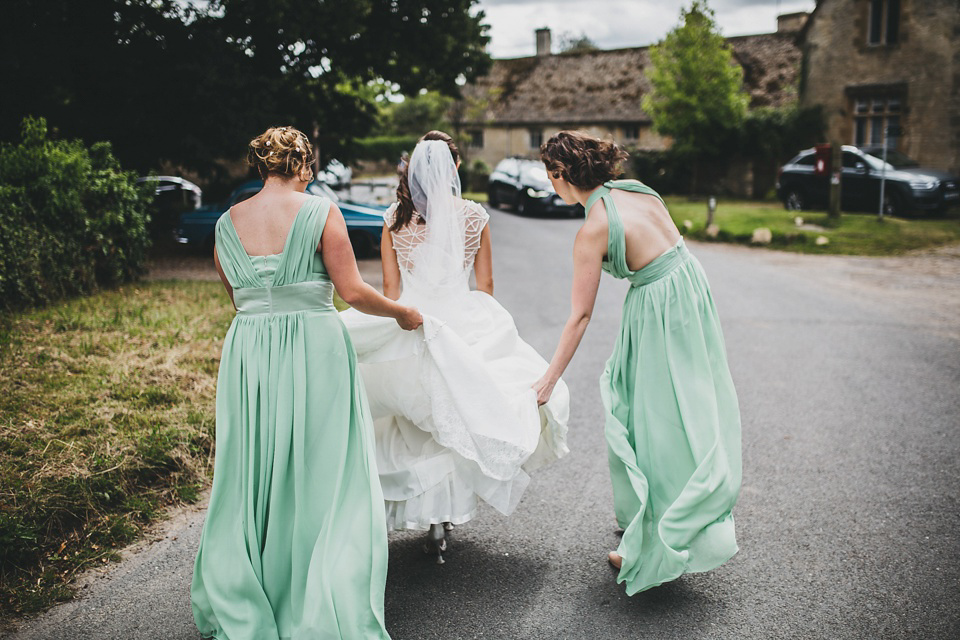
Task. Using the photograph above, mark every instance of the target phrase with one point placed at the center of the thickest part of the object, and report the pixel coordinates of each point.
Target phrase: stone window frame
(873, 107)
(475, 138)
(880, 31)
(535, 137)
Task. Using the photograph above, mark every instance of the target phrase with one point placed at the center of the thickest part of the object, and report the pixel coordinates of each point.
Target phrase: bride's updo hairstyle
(583, 161)
(282, 151)
(405, 210)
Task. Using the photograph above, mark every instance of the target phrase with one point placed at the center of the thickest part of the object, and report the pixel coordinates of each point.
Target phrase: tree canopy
(191, 82)
(697, 96)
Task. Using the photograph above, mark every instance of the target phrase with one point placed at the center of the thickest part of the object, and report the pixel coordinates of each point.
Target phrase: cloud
(614, 24)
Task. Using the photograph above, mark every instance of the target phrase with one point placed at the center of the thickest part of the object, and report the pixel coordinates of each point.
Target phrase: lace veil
(435, 189)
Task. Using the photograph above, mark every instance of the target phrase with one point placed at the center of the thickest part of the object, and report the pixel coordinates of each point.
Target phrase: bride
(455, 416)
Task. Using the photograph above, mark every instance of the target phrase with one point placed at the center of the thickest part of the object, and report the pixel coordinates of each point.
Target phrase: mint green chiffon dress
(295, 543)
(672, 418)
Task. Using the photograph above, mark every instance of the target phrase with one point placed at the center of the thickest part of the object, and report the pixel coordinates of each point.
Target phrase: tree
(415, 115)
(191, 82)
(570, 43)
(697, 95)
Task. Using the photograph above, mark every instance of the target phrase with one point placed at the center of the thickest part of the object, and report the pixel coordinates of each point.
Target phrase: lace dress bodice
(409, 237)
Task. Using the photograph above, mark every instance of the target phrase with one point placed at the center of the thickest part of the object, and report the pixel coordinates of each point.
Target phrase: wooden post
(711, 209)
(836, 171)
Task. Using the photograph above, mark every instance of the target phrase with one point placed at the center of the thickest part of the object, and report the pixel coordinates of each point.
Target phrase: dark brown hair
(404, 213)
(282, 151)
(583, 161)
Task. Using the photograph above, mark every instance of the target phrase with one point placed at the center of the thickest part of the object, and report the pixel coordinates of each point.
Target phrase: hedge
(72, 219)
(384, 147)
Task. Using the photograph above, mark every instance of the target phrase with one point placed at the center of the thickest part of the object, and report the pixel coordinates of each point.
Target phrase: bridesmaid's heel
(436, 542)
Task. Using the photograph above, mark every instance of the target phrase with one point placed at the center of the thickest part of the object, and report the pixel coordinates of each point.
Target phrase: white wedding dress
(456, 418)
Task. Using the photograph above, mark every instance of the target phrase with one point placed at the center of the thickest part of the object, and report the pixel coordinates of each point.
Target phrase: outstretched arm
(588, 251)
(342, 266)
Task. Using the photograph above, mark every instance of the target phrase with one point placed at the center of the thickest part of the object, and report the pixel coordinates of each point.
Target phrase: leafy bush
(666, 172)
(73, 220)
(384, 147)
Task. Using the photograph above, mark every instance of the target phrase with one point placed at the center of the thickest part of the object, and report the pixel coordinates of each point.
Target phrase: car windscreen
(317, 188)
(876, 164)
(535, 173)
(897, 159)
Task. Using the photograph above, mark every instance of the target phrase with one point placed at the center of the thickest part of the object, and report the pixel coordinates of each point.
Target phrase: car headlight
(533, 193)
(924, 185)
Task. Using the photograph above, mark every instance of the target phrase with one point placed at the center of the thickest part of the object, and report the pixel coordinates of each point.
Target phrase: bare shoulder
(595, 224)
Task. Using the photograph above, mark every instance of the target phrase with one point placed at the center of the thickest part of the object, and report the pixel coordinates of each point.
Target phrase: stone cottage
(523, 101)
(887, 66)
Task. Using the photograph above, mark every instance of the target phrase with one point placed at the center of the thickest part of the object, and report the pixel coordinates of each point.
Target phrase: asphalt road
(848, 371)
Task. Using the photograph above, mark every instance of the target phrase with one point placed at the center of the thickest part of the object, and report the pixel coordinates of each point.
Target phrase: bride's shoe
(615, 559)
(448, 526)
(436, 542)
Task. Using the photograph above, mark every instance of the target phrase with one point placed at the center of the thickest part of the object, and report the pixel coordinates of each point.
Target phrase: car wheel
(521, 204)
(893, 204)
(794, 200)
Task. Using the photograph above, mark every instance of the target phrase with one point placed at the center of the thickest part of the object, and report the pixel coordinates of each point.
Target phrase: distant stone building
(523, 101)
(874, 64)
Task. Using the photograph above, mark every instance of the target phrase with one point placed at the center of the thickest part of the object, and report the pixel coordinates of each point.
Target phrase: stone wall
(923, 66)
(500, 141)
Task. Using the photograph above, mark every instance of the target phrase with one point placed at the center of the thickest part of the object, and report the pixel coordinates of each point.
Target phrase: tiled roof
(607, 86)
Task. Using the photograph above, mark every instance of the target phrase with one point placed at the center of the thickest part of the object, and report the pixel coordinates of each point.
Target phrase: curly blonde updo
(583, 161)
(282, 151)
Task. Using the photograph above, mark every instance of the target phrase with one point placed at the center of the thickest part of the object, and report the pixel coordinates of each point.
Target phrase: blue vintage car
(364, 221)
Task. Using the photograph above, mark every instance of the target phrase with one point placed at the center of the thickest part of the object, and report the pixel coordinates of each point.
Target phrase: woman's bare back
(648, 228)
(263, 222)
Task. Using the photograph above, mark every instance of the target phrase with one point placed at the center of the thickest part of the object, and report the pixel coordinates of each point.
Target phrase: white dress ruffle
(456, 418)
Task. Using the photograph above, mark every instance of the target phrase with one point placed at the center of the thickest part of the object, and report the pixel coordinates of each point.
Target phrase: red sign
(821, 160)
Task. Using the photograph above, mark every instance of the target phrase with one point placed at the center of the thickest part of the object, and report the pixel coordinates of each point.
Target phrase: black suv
(524, 185)
(908, 189)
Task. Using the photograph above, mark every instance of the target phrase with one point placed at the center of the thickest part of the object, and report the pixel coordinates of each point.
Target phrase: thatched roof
(607, 86)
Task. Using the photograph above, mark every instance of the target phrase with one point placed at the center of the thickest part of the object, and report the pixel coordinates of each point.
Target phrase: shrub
(73, 220)
(385, 147)
(666, 172)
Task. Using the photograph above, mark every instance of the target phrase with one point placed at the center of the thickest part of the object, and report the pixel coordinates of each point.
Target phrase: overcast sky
(612, 24)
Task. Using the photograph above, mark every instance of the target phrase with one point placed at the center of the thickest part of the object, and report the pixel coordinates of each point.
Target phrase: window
(476, 138)
(883, 26)
(536, 138)
(631, 132)
(874, 116)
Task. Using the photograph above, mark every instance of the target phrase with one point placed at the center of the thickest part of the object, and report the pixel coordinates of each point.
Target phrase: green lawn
(856, 234)
(106, 417)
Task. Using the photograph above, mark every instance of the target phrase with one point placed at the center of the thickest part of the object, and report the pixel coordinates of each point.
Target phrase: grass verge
(476, 196)
(106, 417)
(856, 234)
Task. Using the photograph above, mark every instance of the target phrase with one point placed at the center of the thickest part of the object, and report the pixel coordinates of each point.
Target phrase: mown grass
(476, 196)
(856, 234)
(106, 417)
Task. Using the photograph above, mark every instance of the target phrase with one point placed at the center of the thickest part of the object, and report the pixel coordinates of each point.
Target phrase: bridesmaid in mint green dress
(294, 544)
(672, 418)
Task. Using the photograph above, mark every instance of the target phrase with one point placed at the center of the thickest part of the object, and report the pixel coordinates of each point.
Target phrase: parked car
(172, 196)
(524, 185)
(336, 174)
(364, 221)
(909, 188)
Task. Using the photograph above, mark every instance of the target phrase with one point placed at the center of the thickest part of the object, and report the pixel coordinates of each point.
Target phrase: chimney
(791, 22)
(543, 41)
